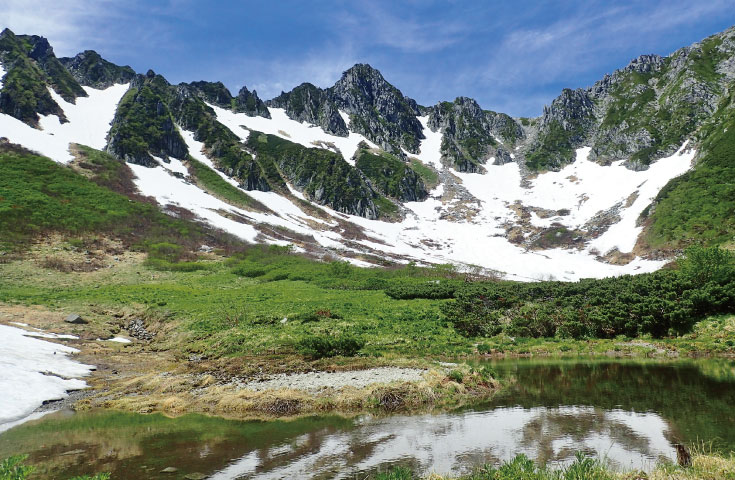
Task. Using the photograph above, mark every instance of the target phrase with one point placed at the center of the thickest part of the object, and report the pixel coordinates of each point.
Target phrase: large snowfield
(584, 189)
(34, 371)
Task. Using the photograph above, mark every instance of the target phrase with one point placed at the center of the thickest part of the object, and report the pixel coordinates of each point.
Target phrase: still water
(629, 412)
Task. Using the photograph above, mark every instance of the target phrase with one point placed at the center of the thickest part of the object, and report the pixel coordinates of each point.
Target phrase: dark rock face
(471, 135)
(24, 94)
(189, 110)
(214, 93)
(58, 77)
(247, 102)
(310, 104)
(90, 69)
(143, 124)
(378, 110)
(322, 175)
(563, 127)
(573, 110)
(390, 175)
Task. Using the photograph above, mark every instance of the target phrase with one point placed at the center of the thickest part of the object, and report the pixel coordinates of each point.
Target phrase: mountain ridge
(378, 149)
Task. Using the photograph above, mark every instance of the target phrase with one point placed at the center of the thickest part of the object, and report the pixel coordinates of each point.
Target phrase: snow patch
(279, 124)
(34, 371)
(430, 148)
(115, 339)
(173, 165)
(170, 190)
(89, 122)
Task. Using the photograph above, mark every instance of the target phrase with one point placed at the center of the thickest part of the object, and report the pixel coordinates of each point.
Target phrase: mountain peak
(381, 112)
(362, 69)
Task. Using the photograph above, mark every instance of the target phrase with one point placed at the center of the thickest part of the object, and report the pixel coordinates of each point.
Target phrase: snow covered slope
(89, 122)
(429, 232)
(565, 225)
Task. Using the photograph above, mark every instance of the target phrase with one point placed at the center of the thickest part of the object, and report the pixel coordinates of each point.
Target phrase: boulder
(75, 319)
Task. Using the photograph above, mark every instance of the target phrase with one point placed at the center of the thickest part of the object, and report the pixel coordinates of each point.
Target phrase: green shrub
(456, 376)
(662, 303)
(433, 290)
(321, 347)
(165, 251)
(484, 348)
(12, 468)
(702, 265)
(249, 271)
(396, 473)
(167, 266)
(316, 316)
(340, 269)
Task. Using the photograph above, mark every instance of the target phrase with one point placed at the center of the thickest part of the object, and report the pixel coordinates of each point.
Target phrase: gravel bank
(315, 382)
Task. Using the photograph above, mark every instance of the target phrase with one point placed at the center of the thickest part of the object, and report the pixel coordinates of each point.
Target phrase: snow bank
(34, 371)
(427, 234)
(623, 234)
(170, 190)
(89, 122)
(302, 133)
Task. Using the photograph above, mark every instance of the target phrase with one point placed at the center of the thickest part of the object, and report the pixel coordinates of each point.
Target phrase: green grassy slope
(699, 206)
(39, 196)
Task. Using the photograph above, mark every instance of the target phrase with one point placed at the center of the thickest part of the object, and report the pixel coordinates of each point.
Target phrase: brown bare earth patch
(87, 253)
(616, 257)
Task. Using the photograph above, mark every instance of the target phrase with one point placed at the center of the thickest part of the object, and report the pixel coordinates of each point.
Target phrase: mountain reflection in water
(628, 412)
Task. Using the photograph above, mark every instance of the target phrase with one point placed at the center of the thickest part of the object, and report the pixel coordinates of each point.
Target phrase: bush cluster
(666, 302)
(433, 290)
(321, 347)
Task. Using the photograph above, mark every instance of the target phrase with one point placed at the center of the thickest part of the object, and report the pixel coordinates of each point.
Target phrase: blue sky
(512, 56)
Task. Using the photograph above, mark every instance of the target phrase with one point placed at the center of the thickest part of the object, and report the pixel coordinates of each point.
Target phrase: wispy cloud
(569, 46)
(75, 25)
(373, 24)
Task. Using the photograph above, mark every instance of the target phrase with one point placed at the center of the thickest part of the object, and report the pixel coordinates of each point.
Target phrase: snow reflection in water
(449, 443)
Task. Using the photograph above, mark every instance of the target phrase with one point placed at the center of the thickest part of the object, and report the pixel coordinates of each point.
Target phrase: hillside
(612, 179)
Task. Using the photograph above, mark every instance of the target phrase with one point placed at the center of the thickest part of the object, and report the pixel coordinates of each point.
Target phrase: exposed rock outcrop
(249, 103)
(90, 69)
(24, 94)
(471, 135)
(143, 125)
(378, 110)
(310, 104)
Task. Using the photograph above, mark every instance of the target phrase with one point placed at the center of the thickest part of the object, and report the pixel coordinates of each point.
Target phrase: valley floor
(216, 342)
